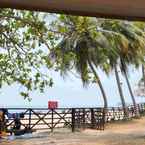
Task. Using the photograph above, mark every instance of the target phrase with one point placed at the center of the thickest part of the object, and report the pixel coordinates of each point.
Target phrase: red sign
(52, 104)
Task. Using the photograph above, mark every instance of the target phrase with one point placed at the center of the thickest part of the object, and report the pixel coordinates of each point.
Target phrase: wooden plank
(122, 9)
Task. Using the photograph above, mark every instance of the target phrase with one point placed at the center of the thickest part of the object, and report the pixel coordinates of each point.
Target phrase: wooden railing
(72, 118)
(117, 113)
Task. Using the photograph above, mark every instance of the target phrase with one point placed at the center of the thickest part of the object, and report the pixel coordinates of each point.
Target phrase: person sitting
(17, 124)
(1, 123)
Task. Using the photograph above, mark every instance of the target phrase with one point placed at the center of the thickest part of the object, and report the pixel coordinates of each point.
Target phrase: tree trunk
(100, 85)
(143, 75)
(121, 93)
(131, 93)
(98, 81)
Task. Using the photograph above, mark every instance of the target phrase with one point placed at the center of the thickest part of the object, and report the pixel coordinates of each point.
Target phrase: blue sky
(69, 92)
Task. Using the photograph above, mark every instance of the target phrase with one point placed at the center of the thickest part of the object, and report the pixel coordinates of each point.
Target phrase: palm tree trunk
(131, 93)
(100, 85)
(98, 81)
(121, 92)
(143, 74)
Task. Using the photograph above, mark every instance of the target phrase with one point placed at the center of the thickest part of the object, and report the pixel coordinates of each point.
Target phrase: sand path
(126, 133)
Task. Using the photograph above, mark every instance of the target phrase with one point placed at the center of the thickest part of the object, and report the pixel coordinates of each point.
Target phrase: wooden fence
(117, 113)
(72, 118)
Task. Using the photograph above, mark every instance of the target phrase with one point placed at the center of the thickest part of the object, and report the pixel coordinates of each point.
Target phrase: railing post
(79, 123)
(73, 119)
(142, 108)
(29, 126)
(113, 113)
(84, 120)
(52, 119)
(139, 108)
(92, 118)
(103, 117)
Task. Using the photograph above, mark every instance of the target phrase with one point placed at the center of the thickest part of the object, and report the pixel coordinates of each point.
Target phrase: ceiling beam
(119, 9)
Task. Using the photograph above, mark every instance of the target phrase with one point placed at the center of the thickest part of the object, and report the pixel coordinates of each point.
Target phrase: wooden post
(144, 107)
(104, 110)
(79, 118)
(29, 126)
(84, 120)
(92, 118)
(73, 120)
(113, 115)
(139, 108)
(52, 119)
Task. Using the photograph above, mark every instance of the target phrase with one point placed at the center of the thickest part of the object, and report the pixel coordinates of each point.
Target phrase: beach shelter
(122, 9)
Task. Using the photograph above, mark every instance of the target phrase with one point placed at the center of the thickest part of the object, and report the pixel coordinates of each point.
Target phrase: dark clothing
(1, 121)
(17, 124)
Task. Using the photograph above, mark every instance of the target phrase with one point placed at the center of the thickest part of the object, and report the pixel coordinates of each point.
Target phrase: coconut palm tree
(118, 44)
(132, 53)
(79, 38)
(141, 25)
(99, 44)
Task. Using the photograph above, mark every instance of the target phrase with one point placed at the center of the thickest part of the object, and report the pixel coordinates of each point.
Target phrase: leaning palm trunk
(132, 95)
(98, 81)
(100, 85)
(121, 93)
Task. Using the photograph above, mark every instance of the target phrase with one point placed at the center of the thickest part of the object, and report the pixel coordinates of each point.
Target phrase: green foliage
(103, 42)
(97, 43)
(131, 50)
(71, 42)
(23, 37)
(78, 42)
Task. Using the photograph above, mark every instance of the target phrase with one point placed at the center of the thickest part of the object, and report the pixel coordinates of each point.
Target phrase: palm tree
(86, 63)
(141, 25)
(117, 44)
(132, 53)
(135, 56)
(99, 44)
(125, 74)
(79, 39)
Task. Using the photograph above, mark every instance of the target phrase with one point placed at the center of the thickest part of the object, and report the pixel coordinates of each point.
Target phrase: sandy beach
(118, 133)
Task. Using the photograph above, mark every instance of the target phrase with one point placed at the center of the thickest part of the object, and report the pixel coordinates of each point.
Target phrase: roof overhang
(120, 9)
